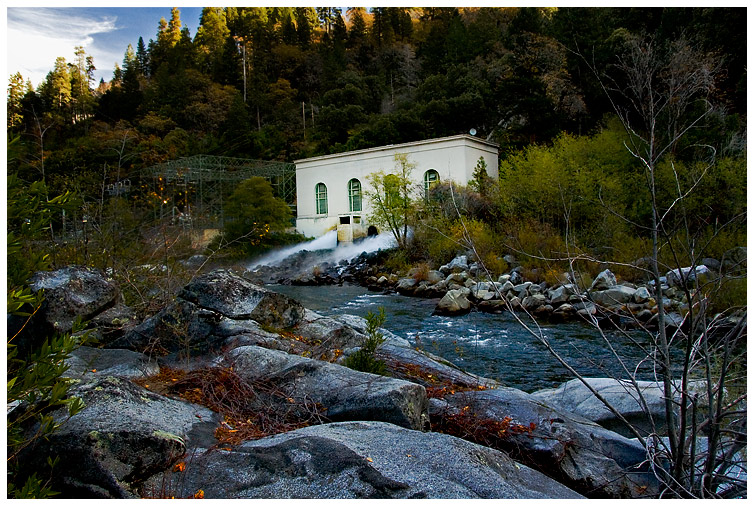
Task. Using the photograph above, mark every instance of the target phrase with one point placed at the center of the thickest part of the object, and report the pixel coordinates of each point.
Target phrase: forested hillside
(283, 83)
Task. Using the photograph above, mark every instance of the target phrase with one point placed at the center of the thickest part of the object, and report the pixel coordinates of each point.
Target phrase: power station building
(330, 189)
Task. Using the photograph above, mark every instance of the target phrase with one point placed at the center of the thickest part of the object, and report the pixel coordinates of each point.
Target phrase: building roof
(466, 137)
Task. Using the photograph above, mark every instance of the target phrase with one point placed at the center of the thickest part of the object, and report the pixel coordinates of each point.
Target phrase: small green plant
(364, 359)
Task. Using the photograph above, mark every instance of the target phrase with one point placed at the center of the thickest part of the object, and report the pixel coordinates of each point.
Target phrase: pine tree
(340, 34)
(210, 39)
(288, 33)
(56, 91)
(358, 29)
(130, 77)
(15, 95)
(304, 26)
(81, 90)
(142, 58)
(173, 32)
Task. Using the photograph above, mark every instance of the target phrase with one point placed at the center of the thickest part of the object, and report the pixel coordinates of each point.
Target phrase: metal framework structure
(192, 190)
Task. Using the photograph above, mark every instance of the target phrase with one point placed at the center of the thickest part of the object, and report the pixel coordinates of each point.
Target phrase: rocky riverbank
(234, 391)
(463, 286)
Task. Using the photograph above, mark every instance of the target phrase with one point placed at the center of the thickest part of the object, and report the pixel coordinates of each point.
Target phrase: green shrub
(397, 262)
(364, 359)
(253, 212)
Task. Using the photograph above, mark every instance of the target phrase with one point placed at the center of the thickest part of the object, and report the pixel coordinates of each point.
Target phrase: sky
(36, 36)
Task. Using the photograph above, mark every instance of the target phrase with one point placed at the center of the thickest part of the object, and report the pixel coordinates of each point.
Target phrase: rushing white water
(335, 252)
(325, 242)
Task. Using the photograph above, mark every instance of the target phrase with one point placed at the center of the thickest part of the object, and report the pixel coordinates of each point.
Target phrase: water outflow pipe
(324, 242)
(335, 252)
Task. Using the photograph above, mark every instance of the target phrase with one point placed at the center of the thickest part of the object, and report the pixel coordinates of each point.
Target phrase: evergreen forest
(285, 83)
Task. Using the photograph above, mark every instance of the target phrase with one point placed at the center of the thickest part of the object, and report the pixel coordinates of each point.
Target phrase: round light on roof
(472, 132)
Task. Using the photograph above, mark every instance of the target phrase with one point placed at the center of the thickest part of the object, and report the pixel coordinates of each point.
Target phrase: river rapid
(494, 346)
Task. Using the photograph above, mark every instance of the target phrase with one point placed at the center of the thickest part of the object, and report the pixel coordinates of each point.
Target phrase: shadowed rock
(74, 292)
(213, 309)
(232, 296)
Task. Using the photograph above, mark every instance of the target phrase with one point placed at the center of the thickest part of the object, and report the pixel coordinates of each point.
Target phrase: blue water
(495, 346)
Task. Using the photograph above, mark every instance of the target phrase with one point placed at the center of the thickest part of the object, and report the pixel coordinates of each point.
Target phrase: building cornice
(394, 147)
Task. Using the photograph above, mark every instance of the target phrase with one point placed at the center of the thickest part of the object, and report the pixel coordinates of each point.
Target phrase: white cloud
(37, 36)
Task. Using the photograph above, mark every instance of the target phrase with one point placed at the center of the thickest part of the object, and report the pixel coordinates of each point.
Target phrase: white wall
(453, 157)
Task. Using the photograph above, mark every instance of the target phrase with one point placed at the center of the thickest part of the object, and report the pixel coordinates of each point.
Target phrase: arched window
(355, 195)
(431, 178)
(321, 198)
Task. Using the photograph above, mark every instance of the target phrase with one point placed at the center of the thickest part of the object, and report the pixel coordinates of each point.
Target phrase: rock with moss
(407, 286)
(361, 460)
(328, 332)
(180, 327)
(124, 435)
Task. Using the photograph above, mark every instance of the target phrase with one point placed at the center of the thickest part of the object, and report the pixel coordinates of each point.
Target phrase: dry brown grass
(250, 410)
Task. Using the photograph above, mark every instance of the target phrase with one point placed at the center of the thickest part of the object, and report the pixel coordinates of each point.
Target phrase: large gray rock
(89, 362)
(689, 276)
(180, 327)
(455, 302)
(213, 310)
(124, 435)
(406, 286)
(328, 333)
(359, 324)
(605, 280)
(458, 265)
(73, 292)
(617, 295)
(641, 295)
(483, 295)
(343, 393)
(560, 294)
(232, 296)
(434, 276)
(533, 302)
(114, 322)
(361, 460)
(575, 451)
(522, 290)
(574, 397)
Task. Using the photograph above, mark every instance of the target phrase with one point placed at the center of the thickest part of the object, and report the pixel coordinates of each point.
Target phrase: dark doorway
(372, 231)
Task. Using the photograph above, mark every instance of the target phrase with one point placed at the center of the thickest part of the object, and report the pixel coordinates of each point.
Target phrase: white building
(330, 189)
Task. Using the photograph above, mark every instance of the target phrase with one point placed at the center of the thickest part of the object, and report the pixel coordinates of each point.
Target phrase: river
(494, 346)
